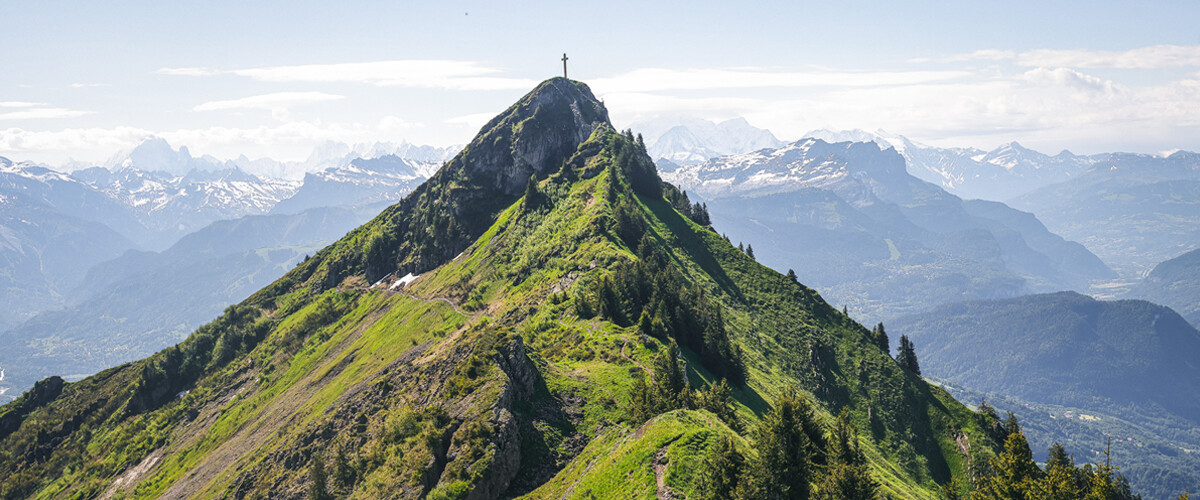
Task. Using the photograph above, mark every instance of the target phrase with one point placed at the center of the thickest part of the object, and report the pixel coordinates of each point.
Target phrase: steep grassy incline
(403, 362)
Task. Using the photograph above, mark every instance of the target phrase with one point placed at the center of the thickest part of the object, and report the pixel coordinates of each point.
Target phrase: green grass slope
(484, 376)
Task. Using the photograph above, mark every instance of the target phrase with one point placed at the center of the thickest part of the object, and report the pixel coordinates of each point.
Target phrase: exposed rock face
(535, 136)
(522, 381)
(440, 218)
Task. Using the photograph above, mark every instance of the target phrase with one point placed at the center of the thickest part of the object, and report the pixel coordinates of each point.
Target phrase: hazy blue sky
(85, 79)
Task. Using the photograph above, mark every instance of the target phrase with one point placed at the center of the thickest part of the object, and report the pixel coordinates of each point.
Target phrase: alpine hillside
(530, 321)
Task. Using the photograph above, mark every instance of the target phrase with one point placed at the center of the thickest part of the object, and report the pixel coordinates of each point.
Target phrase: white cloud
(1073, 79)
(396, 124)
(188, 71)
(43, 113)
(20, 104)
(417, 73)
(287, 141)
(985, 54)
(660, 79)
(59, 145)
(474, 120)
(1152, 57)
(87, 85)
(277, 103)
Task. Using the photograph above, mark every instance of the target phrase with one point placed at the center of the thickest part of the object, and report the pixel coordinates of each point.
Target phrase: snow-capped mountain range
(1001, 174)
(689, 140)
(359, 182)
(850, 218)
(156, 155)
(153, 193)
(807, 163)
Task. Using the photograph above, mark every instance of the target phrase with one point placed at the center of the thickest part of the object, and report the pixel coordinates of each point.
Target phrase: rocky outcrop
(42, 393)
(523, 378)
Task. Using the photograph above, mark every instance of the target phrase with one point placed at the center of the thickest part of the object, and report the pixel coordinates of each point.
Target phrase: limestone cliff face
(533, 136)
(452, 208)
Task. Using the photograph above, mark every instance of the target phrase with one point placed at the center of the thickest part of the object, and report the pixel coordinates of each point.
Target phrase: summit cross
(564, 60)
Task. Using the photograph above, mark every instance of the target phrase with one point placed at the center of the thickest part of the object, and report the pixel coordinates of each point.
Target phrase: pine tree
(316, 475)
(782, 468)
(741, 248)
(641, 401)
(532, 197)
(906, 355)
(718, 398)
(720, 471)
(671, 388)
(343, 473)
(750, 251)
(1060, 481)
(881, 339)
(848, 477)
(1013, 472)
(792, 276)
(645, 324)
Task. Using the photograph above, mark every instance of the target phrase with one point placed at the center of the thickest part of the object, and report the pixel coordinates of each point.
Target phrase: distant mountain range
(359, 182)
(1174, 283)
(1126, 366)
(852, 222)
(1132, 210)
(49, 237)
(57, 228)
(689, 140)
(130, 307)
(156, 155)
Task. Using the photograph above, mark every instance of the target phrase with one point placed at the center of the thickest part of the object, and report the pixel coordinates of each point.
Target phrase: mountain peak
(535, 135)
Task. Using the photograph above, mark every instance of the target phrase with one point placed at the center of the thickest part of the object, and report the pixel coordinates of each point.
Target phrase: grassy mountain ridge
(491, 373)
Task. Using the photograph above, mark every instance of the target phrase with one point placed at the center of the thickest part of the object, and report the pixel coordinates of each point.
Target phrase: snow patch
(403, 282)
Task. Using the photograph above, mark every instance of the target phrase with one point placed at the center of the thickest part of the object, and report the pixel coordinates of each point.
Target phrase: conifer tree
(718, 398)
(642, 404)
(792, 276)
(316, 475)
(1013, 472)
(782, 468)
(1060, 481)
(645, 324)
(750, 251)
(906, 355)
(848, 477)
(531, 193)
(1057, 458)
(720, 471)
(881, 339)
(343, 474)
(671, 388)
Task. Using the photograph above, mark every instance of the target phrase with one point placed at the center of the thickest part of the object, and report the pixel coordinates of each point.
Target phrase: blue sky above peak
(86, 79)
